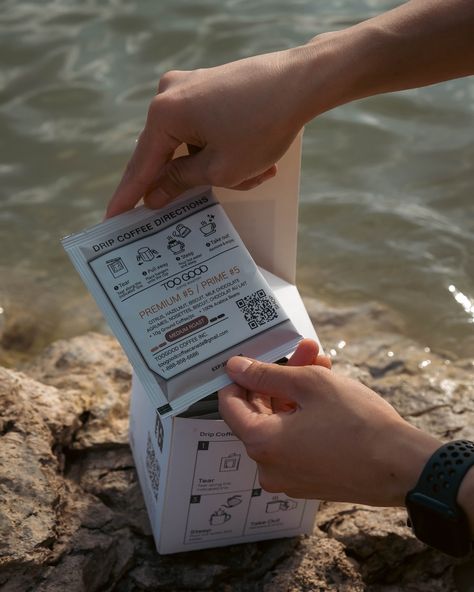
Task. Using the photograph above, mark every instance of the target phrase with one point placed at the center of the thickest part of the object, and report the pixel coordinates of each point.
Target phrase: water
(387, 190)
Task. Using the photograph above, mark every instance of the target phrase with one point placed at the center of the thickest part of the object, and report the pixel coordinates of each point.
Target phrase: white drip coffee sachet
(182, 294)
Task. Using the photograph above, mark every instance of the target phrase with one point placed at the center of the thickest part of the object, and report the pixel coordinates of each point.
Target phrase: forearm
(244, 115)
(418, 43)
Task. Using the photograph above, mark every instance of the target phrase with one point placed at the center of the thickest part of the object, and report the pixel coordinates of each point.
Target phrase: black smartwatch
(434, 514)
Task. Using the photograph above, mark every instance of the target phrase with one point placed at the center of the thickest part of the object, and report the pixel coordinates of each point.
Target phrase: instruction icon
(208, 226)
(145, 254)
(175, 246)
(230, 462)
(219, 517)
(117, 267)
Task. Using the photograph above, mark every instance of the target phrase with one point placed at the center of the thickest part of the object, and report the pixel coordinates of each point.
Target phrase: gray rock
(71, 511)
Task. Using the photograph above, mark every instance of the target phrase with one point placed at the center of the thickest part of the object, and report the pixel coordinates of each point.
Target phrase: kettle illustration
(181, 231)
(232, 501)
(219, 517)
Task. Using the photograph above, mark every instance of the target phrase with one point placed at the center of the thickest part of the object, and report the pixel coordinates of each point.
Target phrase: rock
(94, 374)
(318, 563)
(71, 511)
(32, 489)
(387, 552)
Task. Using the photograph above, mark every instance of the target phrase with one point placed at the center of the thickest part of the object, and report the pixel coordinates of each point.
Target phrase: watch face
(439, 525)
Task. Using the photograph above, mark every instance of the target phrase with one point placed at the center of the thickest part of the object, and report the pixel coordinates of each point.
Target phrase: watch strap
(445, 470)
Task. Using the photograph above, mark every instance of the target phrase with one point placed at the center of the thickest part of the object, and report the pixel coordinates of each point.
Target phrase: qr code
(159, 431)
(258, 308)
(152, 467)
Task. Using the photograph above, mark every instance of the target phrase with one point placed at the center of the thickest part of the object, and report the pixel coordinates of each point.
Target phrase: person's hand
(237, 119)
(338, 440)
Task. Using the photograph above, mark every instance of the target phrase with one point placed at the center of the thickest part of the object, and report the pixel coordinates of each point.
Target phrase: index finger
(152, 152)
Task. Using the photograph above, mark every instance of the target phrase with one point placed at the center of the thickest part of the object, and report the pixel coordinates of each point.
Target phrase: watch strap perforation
(445, 470)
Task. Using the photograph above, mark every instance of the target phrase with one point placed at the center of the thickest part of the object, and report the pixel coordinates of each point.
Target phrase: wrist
(338, 67)
(407, 451)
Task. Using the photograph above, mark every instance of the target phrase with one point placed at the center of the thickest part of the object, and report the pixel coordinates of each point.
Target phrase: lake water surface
(387, 200)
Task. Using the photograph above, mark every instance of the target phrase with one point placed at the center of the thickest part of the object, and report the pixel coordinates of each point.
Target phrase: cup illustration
(288, 504)
(273, 507)
(208, 226)
(278, 505)
(175, 246)
(219, 517)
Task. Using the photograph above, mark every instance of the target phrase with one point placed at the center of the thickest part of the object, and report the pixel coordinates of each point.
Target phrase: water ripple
(387, 211)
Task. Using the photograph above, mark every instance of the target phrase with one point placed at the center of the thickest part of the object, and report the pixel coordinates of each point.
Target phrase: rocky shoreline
(71, 512)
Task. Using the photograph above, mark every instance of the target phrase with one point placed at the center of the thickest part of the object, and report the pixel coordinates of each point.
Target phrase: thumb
(269, 379)
(176, 176)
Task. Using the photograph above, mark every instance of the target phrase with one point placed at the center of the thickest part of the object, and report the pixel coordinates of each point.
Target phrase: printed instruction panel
(185, 286)
(227, 501)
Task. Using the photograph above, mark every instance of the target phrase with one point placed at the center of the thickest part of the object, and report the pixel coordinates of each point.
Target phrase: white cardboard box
(200, 487)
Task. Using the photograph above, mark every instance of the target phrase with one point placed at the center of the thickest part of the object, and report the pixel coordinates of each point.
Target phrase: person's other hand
(237, 119)
(336, 440)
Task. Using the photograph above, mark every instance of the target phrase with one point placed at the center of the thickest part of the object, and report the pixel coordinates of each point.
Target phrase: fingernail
(238, 364)
(271, 173)
(264, 177)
